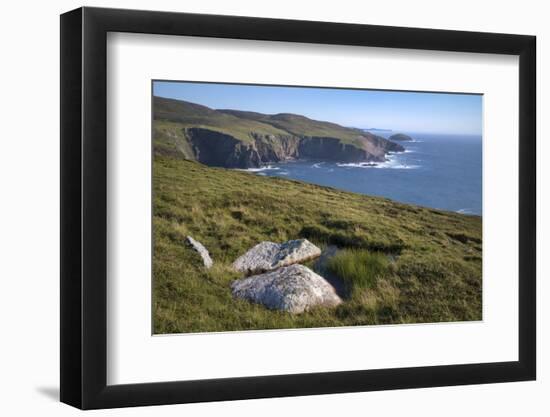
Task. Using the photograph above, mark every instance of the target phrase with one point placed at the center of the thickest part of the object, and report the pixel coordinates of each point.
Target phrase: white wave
(465, 211)
(260, 169)
(357, 165)
(394, 162)
(390, 163)
(317, 165)
(283, 173)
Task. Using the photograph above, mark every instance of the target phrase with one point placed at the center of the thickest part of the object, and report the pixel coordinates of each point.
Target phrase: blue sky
(398, 111)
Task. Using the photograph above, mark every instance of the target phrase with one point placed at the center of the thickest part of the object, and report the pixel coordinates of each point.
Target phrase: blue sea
(437, 171)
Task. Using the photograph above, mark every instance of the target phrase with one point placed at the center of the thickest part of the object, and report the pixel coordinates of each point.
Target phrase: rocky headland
(238, 139)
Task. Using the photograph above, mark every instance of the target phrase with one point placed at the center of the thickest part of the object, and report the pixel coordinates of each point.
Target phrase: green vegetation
(359, 269)
(181, 114)
(299, 125)
(172, 114)
(431, 270)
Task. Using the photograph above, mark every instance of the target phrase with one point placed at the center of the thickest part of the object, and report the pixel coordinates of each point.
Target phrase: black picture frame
(84, 207)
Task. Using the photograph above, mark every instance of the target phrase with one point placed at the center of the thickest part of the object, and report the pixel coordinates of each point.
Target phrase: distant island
(400, 137)
(375, 129)
(242, 139)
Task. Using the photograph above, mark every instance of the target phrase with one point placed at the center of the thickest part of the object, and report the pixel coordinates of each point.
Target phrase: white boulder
(294, 288)
(267, 256)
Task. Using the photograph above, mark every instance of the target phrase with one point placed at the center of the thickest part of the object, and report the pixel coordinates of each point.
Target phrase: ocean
(436, 171)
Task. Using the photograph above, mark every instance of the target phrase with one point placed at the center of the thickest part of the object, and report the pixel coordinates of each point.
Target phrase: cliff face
(332, 149)
(218, 149)
(235, 139)
(276, 148)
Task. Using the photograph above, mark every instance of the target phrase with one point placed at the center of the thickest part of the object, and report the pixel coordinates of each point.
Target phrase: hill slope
(434, 257)
(238, 139)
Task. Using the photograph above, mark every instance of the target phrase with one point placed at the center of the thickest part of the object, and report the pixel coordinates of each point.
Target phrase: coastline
(418, 175)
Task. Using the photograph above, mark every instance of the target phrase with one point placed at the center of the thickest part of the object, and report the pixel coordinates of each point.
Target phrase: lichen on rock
(202, 251)
(267, 256)
(294, 288)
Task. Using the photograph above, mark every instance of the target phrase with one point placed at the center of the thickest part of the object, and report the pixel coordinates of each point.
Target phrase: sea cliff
(235, 139)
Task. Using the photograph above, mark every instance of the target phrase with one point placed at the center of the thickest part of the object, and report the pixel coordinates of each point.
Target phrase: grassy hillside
(301, 126)
(426, 264)
(181, 114)
(171, 116)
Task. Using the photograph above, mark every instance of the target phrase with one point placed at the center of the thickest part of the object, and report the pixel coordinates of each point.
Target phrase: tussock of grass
(434, 274)
(358, 268)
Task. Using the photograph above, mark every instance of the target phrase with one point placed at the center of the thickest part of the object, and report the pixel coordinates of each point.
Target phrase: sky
(412, 112)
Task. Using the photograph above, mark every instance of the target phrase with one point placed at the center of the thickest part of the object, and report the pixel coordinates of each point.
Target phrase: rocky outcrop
(377, 143)
(400, 137)
(215, 148)
(267, 256)
(276, 148)
(202, 251)
(332, 149)
(294, 288)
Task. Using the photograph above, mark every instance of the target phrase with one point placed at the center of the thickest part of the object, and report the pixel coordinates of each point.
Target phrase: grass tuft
(358, 268)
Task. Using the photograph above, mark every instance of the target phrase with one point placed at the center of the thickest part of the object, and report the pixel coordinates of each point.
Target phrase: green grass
(433, 257)
(299, 125)
(359, 269)
(180, 114)
(176, 114)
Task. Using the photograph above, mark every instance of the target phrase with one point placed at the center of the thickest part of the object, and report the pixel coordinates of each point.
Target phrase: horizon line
(310, 118)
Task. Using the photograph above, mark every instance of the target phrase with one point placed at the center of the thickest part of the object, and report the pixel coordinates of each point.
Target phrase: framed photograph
(256, 208)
